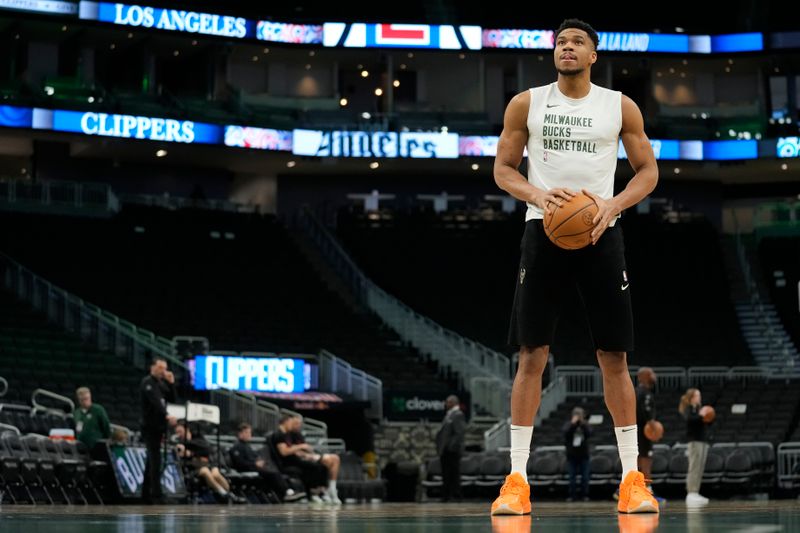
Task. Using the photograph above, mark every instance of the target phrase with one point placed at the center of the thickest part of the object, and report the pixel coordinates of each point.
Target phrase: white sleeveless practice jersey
(573, 143)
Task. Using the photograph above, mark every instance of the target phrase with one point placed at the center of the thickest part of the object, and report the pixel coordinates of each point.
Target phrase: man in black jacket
(449, 445)
(156, 390)
(245, 459)
(576, 439)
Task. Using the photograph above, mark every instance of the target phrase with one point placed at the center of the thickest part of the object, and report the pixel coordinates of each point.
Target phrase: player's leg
(621, 402)
(606, 291)
(526, 395)
(537, 301)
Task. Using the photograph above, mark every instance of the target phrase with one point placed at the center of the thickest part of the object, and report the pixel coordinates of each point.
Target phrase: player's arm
(641, 157)
(510, 149)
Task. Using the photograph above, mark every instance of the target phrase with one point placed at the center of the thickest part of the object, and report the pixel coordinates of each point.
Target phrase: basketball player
(571, 129)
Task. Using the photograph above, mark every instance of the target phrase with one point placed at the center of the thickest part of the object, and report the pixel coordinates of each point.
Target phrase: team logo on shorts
(521, 276)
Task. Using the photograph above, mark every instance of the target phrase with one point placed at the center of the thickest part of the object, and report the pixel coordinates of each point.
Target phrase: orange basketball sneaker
(515, 496)
(634, 496)
(637, 523)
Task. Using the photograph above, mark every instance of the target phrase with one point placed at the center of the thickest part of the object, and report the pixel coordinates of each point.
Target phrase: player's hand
(172, 421)
(607, 210)
(169, 376)
(547, 200)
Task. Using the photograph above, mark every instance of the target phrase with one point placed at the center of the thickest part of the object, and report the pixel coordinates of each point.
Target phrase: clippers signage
(128, 126)
(259, 138)
(362, 35)
(249, 374)
(389, 144)
(167, 19)
(288, 33)
(52, 7)
(788, 147)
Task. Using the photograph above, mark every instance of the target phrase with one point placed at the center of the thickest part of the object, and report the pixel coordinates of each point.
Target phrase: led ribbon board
(788, 147)
(16, 117)
(630, 42)
(51, 7)
(258, 138)
(361, 35)
(389, 144)
(127, 126)
(168, 19)
(282, 32)
(250, 374)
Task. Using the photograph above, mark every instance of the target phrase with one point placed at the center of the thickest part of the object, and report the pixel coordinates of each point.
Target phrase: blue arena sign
(168, 19)
(128, 126)
(249, 374)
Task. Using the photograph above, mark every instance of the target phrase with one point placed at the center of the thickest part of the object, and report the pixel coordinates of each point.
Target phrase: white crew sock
(332, 487)
(628, 445)
(520, 448)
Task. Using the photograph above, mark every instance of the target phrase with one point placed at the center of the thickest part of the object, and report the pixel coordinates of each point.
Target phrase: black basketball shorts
(546, 276)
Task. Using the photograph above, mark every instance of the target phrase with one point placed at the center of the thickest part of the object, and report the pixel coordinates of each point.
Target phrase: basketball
(654, 430)
(570, 226)
(708, 413)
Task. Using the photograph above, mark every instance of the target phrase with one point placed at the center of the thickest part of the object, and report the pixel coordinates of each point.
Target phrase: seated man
(245, 459)
(195, 452)
(295, 453)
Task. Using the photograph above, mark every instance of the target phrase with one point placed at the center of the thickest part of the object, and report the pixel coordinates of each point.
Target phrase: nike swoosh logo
(626, 430)
(554, 105)
(623, 287)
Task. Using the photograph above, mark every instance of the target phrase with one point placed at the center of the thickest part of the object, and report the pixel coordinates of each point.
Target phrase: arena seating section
(459, 268)
(742, 454)
(781, 255)
(35, 354)
(731, 470)
(235, 278)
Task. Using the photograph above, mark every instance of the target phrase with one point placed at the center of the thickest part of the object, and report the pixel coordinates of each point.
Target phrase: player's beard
(570, 72)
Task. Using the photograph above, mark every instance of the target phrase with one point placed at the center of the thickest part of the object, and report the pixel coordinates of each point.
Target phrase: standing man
(572, 130)
(157, 388)
(576, 439)
(449, 445)
(91, 419)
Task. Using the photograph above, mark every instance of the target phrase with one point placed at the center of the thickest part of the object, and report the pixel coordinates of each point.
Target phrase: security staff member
(156, 390)
(449, 445)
